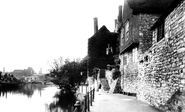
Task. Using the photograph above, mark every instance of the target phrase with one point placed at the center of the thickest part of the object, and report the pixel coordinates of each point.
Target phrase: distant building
(35, 77)
(31, 78)
(18, 73)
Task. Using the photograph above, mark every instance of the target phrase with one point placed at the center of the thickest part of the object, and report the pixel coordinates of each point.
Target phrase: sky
(35, 32)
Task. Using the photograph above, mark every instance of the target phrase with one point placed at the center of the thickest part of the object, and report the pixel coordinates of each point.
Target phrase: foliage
(66, 72)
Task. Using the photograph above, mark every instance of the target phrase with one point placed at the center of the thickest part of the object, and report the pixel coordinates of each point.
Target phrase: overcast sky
(34, 32)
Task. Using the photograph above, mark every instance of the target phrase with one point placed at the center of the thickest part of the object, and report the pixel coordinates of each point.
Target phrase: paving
(107, 102)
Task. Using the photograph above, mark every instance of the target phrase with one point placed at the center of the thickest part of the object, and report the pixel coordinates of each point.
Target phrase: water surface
(35, 98)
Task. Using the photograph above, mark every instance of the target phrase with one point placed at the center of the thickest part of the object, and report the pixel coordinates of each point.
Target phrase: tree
(68, 72)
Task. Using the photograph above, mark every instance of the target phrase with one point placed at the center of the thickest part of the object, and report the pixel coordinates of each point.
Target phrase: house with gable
(101, 48)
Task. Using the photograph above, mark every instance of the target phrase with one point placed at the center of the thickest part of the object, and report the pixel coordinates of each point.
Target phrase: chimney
(95, 25)
(40, 71)
(120, 14)
(3, 70)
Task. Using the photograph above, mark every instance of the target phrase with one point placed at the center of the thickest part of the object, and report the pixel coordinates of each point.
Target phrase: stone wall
(129, 72)
(130, 79)
(162, 69)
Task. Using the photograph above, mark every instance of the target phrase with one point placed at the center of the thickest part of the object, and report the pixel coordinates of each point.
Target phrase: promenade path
(106, 102)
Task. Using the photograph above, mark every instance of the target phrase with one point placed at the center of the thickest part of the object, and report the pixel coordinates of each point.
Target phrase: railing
(84, 106)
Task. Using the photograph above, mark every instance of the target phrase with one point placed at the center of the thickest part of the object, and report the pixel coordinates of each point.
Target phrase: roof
(102, 30)
(97, 47)
(171, 7)
(17, 70)
(149, 6)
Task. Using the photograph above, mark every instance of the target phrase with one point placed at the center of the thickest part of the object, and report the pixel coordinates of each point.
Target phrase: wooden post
(86, 88)
(91, 97)
(88, 106)
(85, 103)
(82, 88)
(93, 94)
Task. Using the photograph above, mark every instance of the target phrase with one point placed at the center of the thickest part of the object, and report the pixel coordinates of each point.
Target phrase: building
(152, 52)
(18, 73)
(136, 37)
(35, 78)
(101, 48)
(31, 78)
(163, 65)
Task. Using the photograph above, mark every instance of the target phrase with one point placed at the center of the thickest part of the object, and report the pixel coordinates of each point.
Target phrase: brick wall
(161, 76)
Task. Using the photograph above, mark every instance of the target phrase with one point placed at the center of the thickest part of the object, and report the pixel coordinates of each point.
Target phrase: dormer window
(126, 30)
(160, 32)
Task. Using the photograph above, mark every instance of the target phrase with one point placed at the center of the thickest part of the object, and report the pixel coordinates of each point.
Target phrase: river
(35, 98)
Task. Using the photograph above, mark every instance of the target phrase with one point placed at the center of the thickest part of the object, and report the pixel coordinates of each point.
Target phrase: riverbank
(9, 80)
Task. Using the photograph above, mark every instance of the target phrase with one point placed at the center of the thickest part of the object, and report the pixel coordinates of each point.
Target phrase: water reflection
(64, 101)
(35, 98)
(26, 98)
(27, 89)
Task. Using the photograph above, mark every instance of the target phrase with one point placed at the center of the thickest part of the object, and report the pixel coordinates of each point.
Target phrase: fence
(84, 105)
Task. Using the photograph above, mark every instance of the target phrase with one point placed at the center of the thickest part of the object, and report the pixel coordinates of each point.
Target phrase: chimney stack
(40, 71)
(3, 70)
(95, 25)
(120, 14)
(115, 23)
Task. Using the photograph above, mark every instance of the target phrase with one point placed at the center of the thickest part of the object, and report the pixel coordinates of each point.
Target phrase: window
(109, 50)
(160, 32)
(135, 54)
(126, 30)
(122, 36)
(124, 60)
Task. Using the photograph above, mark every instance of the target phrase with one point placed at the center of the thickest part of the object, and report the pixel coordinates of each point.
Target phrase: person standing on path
(116, 75)
(109, 75)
